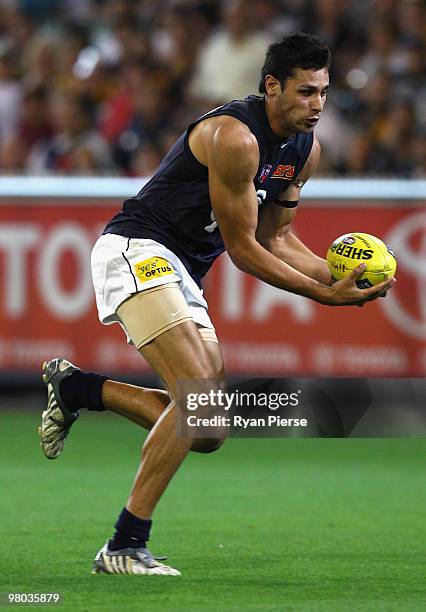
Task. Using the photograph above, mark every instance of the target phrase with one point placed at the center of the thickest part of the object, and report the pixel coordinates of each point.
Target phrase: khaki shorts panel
(147, 314)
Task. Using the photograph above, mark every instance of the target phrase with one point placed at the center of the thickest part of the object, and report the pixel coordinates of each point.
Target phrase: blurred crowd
(96, 87)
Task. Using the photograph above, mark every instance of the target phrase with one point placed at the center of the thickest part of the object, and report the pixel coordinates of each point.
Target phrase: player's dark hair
(294, 51)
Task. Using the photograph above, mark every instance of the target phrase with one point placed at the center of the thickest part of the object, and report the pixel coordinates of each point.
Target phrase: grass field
(261, 525)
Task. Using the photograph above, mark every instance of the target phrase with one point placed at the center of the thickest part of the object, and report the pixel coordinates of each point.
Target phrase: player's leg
(144, 315)
(143, 405)
(70, 389)
(152, 317)
(179, 353)
(175, 355)
(149, 316)
(162, 300)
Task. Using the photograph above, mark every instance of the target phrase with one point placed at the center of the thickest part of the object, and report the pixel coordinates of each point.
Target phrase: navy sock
(83, 390)
(131, 531)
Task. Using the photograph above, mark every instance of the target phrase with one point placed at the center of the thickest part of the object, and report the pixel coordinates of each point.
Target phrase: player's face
(297, 106)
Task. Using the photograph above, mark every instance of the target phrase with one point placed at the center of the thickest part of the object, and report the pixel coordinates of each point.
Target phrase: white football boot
(130, 561)
(56, 419)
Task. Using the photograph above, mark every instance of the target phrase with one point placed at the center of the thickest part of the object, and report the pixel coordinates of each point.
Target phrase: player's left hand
(381, 295)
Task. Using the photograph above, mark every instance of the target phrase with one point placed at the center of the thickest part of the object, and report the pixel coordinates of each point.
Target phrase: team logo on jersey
(284, 171)
(155, 267)
(264, 172)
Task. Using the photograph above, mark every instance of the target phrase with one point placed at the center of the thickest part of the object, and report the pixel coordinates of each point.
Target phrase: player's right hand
(346, 293)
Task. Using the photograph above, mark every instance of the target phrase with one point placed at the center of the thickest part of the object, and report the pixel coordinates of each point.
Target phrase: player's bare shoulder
(225, 144)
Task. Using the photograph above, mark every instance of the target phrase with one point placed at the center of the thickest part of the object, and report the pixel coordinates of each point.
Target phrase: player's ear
(272, 85)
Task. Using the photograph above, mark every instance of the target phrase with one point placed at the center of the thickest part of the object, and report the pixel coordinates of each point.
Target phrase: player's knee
(207, 445)
(213, 445)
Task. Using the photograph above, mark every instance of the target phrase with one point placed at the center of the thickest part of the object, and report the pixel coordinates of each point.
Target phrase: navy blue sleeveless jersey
(174, 207)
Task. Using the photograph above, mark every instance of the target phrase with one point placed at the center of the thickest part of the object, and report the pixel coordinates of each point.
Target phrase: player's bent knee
(207, 445)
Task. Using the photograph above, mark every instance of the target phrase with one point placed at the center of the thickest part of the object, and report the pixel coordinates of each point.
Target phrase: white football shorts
(124, 266)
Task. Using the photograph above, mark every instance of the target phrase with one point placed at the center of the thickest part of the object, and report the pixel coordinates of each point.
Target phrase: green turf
(288, 524)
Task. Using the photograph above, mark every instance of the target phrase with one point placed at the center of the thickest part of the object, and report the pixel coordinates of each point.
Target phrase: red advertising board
(47, 306)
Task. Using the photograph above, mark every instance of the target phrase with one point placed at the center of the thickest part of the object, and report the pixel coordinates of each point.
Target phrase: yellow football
(350, 250)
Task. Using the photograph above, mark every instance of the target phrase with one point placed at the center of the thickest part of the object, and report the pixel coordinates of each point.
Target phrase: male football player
(231, 182)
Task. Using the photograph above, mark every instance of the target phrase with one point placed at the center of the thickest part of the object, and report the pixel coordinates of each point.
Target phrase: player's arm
(232, 157)
(274, 227)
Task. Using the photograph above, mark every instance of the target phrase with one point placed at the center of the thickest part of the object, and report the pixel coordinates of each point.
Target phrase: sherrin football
(350, 250)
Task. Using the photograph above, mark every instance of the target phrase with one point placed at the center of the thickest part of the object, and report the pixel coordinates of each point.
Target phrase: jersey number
(261, 197)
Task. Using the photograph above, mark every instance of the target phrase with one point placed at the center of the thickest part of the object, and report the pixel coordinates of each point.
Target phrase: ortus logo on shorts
(155, 267)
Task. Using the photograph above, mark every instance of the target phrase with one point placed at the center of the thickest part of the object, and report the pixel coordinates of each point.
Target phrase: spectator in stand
(146, 160)
(75, 148)
(145, 126)
(39, 62)
(24, 151)
(135, 114)
(395, 139)
(176, 50)
(272, 18)
(10, 97)
(230, 61)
